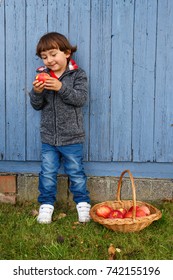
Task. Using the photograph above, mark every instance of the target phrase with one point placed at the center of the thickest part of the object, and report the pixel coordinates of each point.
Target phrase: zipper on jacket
(55, 119)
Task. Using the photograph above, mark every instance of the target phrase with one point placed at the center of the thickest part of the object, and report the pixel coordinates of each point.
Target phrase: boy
(60, 99)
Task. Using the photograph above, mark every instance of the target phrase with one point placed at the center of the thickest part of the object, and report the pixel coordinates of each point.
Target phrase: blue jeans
(71, 156)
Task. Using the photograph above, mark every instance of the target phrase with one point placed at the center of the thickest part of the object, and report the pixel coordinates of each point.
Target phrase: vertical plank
(58, 16)
(36, 26)
(79, 34)
(100, 80)
(121, 79)
(15, 79)
(164, 84)
(144, 79)
(2, 82)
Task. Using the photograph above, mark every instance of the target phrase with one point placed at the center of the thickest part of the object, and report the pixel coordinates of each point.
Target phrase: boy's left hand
(52, 84)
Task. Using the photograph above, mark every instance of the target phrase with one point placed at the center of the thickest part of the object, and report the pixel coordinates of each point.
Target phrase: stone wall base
(24, 187)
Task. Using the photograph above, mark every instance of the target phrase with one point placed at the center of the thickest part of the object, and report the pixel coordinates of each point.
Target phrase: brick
(7, 198)
(8, 184)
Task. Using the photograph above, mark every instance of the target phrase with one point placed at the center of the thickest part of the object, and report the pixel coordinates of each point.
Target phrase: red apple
(115, 214)
(122, 210)
(140, 213)
(128, 214)
(131, 208)
(103, 211)
(145, 209)
(42, 77)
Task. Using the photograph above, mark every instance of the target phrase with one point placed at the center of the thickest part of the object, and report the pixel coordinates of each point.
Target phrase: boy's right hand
(38, 86)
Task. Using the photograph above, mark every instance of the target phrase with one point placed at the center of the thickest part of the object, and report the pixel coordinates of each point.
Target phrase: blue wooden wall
(126, 48)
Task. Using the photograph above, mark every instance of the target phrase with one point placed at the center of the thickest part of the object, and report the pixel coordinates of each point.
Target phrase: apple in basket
(131, 208)
(145, 209)
(122, 210)
(128, 214)
(103, 211)
(116, 214)
(139, 213)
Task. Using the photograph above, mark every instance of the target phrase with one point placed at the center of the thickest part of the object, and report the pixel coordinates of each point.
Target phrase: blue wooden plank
(144, 79)
(121, 79)
(80, 36)
(113, 169)
(2, 82)
(58, 13)
(15, 79)
(36, 26)
(100, 80)
(164, 84)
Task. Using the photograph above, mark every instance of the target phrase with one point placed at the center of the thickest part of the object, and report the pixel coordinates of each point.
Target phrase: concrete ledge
(27, 189)
(105, 188)
(101, 189)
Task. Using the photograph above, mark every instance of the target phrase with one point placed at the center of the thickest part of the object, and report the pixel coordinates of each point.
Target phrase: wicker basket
(126, 224)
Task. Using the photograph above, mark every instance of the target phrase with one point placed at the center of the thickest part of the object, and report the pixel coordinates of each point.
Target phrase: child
(60, 99)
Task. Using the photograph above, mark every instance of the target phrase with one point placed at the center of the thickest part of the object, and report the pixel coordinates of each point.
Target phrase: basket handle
(133, 191)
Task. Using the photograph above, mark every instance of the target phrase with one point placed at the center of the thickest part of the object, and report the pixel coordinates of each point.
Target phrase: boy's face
(55, 60)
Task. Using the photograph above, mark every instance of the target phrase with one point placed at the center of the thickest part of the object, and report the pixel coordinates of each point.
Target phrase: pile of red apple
(107, 212)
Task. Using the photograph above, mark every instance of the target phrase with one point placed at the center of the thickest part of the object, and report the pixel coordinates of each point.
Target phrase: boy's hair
(54, 40)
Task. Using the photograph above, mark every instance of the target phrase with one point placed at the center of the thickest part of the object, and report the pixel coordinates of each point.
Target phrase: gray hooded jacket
(61, 111)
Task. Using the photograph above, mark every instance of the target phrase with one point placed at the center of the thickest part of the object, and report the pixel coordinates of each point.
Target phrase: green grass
(22, 238)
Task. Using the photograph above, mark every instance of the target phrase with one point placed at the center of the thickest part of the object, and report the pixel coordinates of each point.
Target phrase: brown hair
(54, 40)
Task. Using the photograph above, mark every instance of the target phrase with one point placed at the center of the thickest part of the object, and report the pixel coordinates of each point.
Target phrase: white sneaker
(45, 214)
(83, 209)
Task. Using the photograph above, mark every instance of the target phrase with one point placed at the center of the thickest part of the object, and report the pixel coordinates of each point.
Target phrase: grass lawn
(22, 238)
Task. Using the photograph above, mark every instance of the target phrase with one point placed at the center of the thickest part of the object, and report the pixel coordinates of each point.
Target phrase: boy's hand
(38, 86)
(52, 84)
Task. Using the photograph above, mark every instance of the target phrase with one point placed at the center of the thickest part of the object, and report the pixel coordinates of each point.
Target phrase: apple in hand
(103, 211)
(115, 214)
(42, 77)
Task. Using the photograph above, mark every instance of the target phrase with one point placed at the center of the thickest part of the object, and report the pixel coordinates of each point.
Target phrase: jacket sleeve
(77, 95)
(37, 100)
